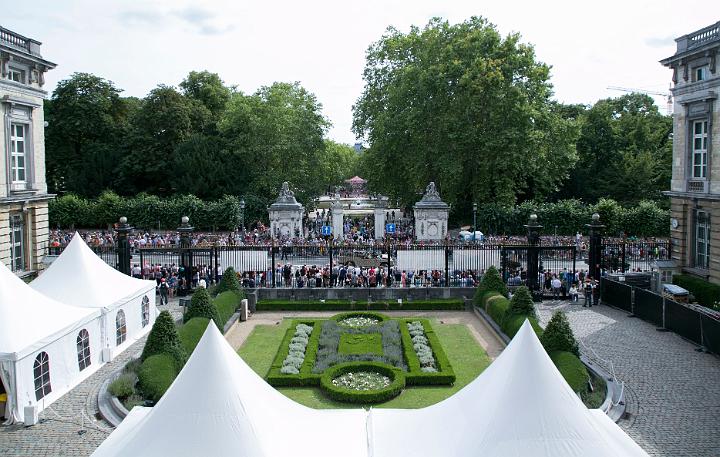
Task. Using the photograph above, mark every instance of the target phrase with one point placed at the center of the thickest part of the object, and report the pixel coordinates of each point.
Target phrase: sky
(322, 44)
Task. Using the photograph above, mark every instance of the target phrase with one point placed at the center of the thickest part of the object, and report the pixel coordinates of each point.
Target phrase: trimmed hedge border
(306, 378)
(441, 304)
(397, 383)
(380, 317)
(415, 376)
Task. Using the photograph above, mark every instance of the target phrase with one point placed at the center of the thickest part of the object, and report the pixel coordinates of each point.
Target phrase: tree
(229, 281)
(558, 336)
(464, 107)
(490, 282)
(208, 89)
(87, 121)
(521, 303)
(201, 305)
(163, 339)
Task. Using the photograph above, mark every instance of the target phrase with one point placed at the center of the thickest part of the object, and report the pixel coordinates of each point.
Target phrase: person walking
(164, 290)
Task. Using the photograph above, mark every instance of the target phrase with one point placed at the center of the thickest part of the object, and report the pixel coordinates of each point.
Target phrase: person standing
(164, 290)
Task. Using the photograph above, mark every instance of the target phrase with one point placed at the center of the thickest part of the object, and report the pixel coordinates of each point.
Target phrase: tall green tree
(464, 107)
(87, 122)
(208, 89)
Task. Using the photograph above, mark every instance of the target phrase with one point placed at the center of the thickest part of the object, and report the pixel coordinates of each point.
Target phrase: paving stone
(672, 390)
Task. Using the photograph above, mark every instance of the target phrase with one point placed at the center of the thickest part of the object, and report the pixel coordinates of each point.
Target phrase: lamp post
(474, 220)
(533, 235)
(242, 215)
(123, 245)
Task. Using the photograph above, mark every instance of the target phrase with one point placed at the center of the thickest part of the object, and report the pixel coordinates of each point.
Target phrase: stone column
(337, 219)
(379, 220)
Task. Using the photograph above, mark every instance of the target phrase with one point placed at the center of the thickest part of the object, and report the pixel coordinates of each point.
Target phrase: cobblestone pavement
(673, 391)
(69, 427)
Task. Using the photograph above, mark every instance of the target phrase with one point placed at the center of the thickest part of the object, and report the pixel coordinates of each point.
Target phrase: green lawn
(468, 360)
(370, 343)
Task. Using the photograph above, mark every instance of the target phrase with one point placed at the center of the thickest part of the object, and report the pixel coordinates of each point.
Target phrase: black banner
(616, 294)
(649, 307)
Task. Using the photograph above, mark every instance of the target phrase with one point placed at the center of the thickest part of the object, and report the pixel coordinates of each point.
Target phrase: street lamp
(242, 215)
(474, 220)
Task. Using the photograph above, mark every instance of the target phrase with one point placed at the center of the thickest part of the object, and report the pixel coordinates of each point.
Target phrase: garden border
(397, 383)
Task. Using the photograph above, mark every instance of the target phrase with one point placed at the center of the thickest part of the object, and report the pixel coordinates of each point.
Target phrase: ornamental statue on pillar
(431, 215)
(286, 214)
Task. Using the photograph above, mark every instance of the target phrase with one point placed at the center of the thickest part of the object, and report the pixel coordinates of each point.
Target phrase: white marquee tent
(520, 406)
(39, 345)
(79, 277)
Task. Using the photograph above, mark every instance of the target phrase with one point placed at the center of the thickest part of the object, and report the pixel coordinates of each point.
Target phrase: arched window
(145, 311)
(120, 328)
(41, 372)
(83, 349)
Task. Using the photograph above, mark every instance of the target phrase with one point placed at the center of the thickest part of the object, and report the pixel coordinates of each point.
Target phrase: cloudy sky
(322, 44)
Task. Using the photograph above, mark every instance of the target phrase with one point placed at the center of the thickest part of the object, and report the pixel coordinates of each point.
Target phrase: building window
(702, 240)
(17, 243)
(700, 73)
(18, 159)
(17, 75)
(83, 349)
(145, 311)
(699, 149)
(41, 372)
(120, 328)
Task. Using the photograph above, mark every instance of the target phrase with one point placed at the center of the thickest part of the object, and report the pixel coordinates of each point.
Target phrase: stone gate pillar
(379, 214)
(337, 219)
(286, 214)
(431, 216)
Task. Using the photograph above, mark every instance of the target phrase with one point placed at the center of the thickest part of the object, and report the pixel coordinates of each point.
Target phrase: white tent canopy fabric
(79, 277)
(31, 323)
(519, 406)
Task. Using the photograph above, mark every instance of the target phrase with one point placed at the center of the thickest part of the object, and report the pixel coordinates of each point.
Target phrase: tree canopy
(464, 107)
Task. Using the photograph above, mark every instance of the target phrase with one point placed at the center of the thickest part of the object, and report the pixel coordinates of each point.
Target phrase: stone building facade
(23, 189)
(431, 216)
(695, 186)
(286, 215)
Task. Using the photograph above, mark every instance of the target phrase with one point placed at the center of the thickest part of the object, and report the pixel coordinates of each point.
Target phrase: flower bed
(358, 321)
(422, 348)
(362, 382)
(296, 350)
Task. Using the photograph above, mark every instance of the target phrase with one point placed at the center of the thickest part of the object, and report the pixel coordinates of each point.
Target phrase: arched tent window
(145, 311)
(83, 349)
(41, 372)
(120, 328)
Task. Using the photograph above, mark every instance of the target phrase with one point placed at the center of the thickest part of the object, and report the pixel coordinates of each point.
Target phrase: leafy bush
(706, 293)
(191, 332)
(513, 322)
(228, 282)
(133, 401)
(123, 386)
(558, 336)
(163, 339)
(337, 393)
(572, 370)
(497, 308)
(439, 304)
(226, 304)
(155, 376)
(201, 305)
(490, 282)
(522, 303)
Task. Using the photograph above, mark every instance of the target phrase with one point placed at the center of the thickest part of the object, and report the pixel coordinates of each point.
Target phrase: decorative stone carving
(286, 214)
(431, 215)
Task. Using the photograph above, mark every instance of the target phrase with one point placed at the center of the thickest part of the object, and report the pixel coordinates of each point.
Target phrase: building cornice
(26, 198)
(22, 88)
(692, 195)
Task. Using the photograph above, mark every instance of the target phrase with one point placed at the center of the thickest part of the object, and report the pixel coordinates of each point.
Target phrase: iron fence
(625, 256)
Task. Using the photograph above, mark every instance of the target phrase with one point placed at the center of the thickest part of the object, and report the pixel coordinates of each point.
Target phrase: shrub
(226, 304)
(163, 339)
(490, 282)
(202, 305)
(397, 383)
(572, 370)
(123, 386)
(706, 293)
(155, 376)
(558, 336)
(438, 304)
(228, 282)
(522, 303)
(133, 401)
(513, 322)
(191, 332)
(497, 308)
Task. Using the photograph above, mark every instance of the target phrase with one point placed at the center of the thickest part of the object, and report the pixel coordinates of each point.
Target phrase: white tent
(39, 350)
(520, 406)
(79, 277)
(218, 406)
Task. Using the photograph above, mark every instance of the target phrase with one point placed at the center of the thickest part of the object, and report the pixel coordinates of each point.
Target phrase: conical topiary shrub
(490, 282)
(202, 305)
(229, 281)
(558, 336)
(522, 303)
(163, 339)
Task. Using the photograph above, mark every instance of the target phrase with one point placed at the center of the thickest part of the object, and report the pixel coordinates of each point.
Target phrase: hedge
(497, 307)
(202, 305)
(226, 304)
(229, 281)
(156, 374)
(706, 293)
(191, 332)
(490, 282)
(305, 378)
(440, 304)
(558, 336)
(397, 383)
(163, 339)
(145, 211)
(380, 317)
(513, 322)
(415, 376)
(572, 370)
